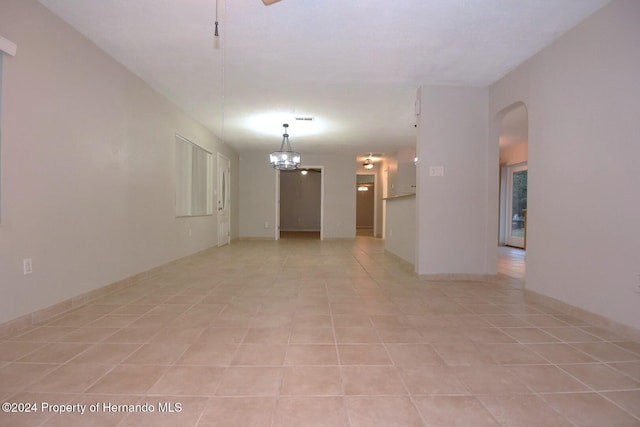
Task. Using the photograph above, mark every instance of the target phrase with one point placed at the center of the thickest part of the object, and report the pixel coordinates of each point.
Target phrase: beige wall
(406, 173)
(88, 181)
(258, 195)
(400, 235)
(581, 92)
(514, 154)
(391, 164)
(452, 209)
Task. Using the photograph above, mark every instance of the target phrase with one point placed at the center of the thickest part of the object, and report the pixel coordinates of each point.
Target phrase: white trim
(321, 195)
(385, 193)
(193, 143)
(502, 213)
(517, 242)
(276, 224)
(8, 47)
(223, 196)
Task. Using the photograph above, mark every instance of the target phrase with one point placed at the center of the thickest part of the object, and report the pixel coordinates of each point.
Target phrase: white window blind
(194, 179)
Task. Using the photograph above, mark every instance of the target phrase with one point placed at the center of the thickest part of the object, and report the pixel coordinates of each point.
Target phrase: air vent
(304, 119)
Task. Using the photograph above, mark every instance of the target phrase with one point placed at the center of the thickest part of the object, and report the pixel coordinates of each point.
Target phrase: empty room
(319, 213)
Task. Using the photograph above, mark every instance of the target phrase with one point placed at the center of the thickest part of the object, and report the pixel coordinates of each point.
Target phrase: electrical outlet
(638, 284)
(266, 224)
(27, 266)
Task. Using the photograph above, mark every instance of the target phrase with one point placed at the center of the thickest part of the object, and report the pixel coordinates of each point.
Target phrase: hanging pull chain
(215, 33)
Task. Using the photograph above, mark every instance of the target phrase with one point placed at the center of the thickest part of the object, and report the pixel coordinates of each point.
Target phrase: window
(194, 179)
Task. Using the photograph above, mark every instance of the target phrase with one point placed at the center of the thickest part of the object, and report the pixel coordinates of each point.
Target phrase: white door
(224, 199)
(515, 222)
(276, 225)
(385, 192)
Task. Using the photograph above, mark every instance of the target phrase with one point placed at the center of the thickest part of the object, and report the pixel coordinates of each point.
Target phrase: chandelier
(285, 159)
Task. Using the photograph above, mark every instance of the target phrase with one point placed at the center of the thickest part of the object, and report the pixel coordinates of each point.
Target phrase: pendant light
(285, 159)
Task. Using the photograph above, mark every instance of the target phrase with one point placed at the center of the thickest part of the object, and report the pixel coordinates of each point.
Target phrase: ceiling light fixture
(285, 159)
(363, 188)
(368, 164)
(304, 172)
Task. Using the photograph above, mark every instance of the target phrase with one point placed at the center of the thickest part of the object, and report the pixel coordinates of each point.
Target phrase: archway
(513, 144)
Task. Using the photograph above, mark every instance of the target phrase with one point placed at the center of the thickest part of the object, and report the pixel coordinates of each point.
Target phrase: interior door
(515, 223)
(385, 193)
(224, 200)
(276, 225)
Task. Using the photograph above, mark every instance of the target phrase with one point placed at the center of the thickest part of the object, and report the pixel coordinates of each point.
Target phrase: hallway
(307, 332)
(512, 262)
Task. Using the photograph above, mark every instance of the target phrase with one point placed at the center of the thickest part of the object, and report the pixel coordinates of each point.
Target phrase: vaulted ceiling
(351, 65)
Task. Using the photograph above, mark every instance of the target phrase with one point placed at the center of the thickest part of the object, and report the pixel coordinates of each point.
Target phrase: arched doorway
(513, 175)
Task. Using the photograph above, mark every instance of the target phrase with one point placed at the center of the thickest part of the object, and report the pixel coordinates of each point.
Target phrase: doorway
(385, 194)
(224, 199)
(516, 206)
(514, 182)
(300, 204)
(365, 204)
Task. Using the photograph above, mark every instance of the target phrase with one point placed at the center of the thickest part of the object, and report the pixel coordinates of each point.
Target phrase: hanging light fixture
(368, 164)
(285, 159)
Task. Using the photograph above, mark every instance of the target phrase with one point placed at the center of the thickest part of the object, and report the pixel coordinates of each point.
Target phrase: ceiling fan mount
(269, 2)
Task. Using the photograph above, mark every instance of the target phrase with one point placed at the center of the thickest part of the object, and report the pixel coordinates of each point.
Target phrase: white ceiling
(353, 65)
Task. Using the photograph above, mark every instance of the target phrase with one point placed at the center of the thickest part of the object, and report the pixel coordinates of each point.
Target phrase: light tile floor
(308, 333)
(512, 262)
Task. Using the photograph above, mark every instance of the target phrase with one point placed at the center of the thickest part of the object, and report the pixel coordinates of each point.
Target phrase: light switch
(436, 170)
(27, 266)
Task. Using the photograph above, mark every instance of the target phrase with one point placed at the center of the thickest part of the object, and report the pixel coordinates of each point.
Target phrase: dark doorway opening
(365, 205)
(301, 204)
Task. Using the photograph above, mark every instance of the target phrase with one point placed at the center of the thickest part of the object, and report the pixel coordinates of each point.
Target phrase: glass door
(516, 223)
